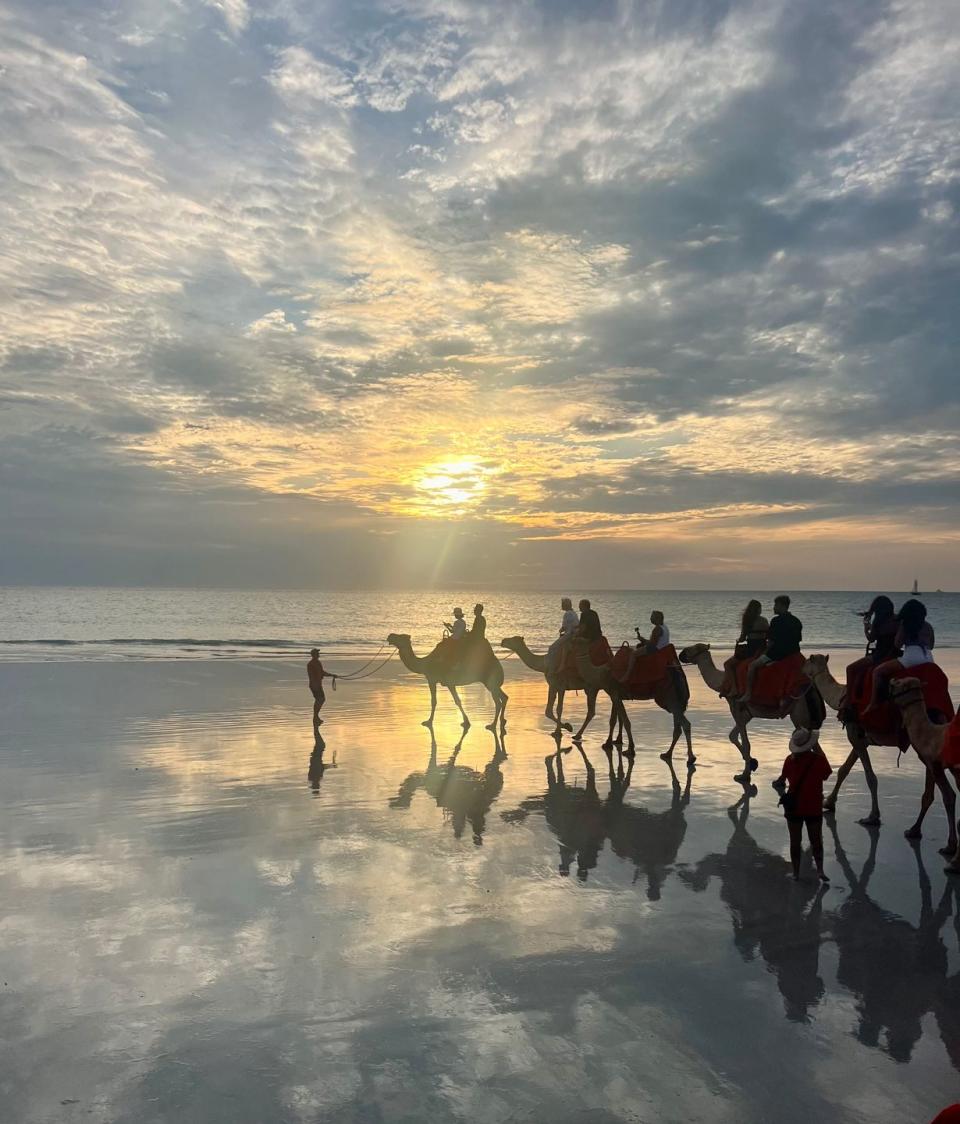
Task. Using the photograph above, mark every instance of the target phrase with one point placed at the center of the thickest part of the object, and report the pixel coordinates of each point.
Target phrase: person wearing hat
(458, 629)
(315, 677)
(801, 793)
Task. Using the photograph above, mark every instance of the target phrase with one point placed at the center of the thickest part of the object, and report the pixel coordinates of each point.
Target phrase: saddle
(884, 723)
(599, 653)
(776, 682)
(649, 670)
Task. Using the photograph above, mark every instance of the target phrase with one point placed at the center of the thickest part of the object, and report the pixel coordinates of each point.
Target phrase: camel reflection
(464, 794)
(583, 821)
(318, 766)
(770, 912)
(896, 971)
(650, 840)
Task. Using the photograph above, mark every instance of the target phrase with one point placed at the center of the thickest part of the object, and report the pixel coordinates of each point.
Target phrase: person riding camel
(880, 628)
(478, 630)
(916, 637)
(589, 627)
(751, 641)
(659, 638)
(458, 629)
(568, 626)
(783, 640)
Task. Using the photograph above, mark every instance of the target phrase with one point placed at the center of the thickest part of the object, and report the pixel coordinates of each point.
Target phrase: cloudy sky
(626, 293)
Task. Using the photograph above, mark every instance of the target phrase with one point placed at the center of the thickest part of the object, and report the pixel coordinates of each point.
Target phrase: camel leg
(688, 735)
(500, 708)
(463, 713)
(873, 819)
(929, 784)
(610, 742)
(433, 704)
(949, 804)
(625, 725)
(561, 725)
(830, 802)
(738, 735)
(551, 701)
(677, 731)
(591, 711)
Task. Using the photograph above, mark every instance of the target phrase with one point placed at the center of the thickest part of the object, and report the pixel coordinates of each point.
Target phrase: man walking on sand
(315, 677)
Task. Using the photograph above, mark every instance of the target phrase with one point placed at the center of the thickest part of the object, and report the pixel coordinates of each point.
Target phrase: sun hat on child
(802, 739)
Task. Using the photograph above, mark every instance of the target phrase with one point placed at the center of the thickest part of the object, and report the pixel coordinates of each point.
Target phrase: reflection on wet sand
(770, 912)
(318, 763)
(897, 971)
(582, 821)
(464, 794)
(273, 950)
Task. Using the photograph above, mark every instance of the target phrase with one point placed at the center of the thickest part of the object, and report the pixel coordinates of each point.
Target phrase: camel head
(904, 692)
(815, 665)
(512, 643)
(692, 653)
(398, 639)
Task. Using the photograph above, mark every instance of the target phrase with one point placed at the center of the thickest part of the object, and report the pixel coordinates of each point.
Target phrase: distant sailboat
(916, 588)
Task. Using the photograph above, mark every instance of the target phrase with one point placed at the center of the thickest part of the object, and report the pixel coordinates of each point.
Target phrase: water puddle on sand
(209, 916)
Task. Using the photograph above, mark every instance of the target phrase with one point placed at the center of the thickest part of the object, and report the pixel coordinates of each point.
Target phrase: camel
(927, 739)
(807, 711)
(559, 684)
(832, 692)
(670, 696)
(478, 665)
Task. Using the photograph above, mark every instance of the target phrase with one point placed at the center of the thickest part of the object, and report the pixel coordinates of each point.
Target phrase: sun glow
(452, 486)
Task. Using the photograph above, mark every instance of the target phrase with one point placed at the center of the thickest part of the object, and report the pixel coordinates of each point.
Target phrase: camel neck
(830, 690)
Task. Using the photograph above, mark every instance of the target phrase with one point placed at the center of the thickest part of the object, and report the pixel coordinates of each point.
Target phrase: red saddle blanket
(600, 654)
(783, 679)
(648, 672)
(884, 720)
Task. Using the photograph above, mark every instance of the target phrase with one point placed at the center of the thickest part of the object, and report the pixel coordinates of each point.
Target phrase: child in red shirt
(805, 770)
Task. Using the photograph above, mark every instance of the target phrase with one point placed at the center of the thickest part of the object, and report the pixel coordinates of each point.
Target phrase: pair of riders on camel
(762, 642)
(458, 639)
(896, 642)
(585, 626)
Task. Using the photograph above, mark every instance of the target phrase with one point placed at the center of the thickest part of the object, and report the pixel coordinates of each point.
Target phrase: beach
(209, 919)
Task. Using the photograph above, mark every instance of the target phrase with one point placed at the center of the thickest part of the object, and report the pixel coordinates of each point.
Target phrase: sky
(542, 293)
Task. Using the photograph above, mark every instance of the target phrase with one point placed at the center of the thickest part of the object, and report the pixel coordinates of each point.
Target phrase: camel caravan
(894, 696)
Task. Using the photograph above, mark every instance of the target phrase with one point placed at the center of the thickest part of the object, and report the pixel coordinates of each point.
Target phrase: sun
(452, 486)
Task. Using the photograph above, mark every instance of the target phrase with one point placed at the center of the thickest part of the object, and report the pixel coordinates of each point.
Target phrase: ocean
(138, 624)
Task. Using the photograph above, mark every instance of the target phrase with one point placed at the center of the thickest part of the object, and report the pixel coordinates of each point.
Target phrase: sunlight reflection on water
(208, 919)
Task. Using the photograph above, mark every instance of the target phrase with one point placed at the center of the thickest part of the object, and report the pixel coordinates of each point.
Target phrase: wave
(179, 642)
(355, 643)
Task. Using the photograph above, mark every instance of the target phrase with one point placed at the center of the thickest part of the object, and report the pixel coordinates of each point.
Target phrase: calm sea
(118, 624)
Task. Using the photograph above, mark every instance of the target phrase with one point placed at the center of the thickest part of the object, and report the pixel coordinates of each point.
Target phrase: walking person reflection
(318, 766)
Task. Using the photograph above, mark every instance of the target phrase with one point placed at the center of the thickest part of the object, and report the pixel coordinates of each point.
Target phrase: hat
(314, 651)
(802, 739)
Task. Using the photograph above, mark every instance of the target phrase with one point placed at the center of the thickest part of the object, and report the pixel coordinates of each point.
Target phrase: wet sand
(208, 920)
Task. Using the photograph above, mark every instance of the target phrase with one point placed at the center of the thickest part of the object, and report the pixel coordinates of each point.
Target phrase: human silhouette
(315, 678)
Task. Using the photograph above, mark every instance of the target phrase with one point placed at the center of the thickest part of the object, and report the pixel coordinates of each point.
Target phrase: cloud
(639, 270)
